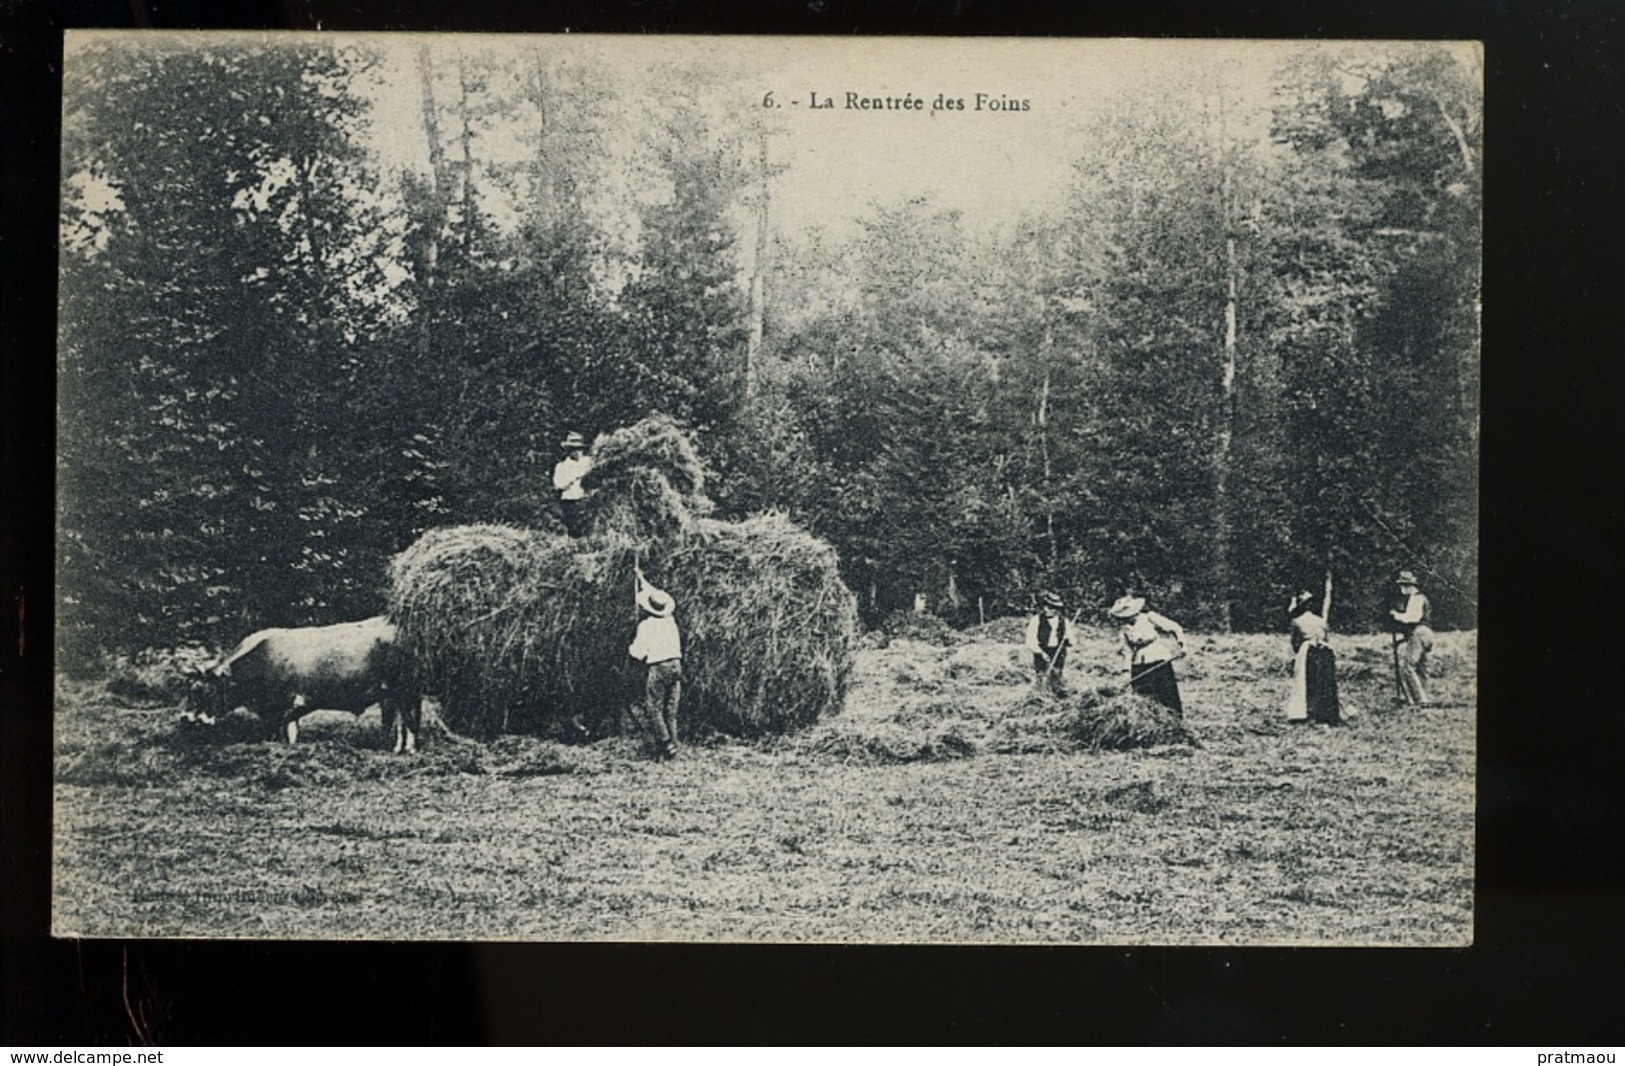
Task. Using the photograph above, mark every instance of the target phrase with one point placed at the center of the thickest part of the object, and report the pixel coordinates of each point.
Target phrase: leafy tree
(1378, 264)
(684, 312)
(1166, 253)
(220, 261)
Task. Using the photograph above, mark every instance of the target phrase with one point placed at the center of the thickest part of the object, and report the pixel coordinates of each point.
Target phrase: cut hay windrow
(1113, 720)
(1107, 719)
(520, 631)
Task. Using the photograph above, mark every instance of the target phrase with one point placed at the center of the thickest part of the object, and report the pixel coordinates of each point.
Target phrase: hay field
(939, 807)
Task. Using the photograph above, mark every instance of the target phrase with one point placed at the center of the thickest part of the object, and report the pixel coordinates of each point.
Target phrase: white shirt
(1142, 636)
(1415, 610)
(1055, 628)
(1308, 628)
(567, 475)
(656, 641)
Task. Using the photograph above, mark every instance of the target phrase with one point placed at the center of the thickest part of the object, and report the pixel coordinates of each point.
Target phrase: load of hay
(520, 630)
(646, 482)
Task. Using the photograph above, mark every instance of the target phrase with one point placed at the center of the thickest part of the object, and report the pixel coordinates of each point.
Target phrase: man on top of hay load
(567, 475)
(1048, 636)
(659, 645)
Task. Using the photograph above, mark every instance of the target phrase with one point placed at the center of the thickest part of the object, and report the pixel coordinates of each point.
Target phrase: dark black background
(1547, 964)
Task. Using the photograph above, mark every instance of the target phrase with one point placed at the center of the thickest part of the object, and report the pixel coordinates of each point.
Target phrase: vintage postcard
(962, 491)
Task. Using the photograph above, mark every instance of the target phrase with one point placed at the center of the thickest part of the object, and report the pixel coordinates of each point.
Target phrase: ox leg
(290, 719)
(412, 717)
(405, 718)
(394, 726)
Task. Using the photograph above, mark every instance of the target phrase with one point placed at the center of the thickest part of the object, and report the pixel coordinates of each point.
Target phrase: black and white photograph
(767, 490)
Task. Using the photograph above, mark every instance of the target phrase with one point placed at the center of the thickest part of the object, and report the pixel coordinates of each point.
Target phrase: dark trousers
(1044, 673)
(1156, 681)
(662, 691)
(575, 517)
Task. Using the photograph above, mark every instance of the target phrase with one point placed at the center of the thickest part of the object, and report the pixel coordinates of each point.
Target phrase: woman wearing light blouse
(1150, 656)
(1314, 665)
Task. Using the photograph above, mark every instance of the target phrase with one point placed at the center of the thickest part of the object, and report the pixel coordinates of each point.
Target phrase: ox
(283, 674)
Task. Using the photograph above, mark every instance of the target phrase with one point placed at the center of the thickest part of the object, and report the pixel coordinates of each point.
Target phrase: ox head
(206, 698)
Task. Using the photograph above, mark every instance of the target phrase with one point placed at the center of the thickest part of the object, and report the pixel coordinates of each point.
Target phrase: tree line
(1231, 360)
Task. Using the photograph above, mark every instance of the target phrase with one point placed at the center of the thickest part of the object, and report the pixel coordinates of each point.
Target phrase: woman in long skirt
(1150, 658)
(1314, 666)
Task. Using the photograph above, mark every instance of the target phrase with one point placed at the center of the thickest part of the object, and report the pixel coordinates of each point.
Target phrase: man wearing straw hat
(659, 646)
(567, 475)
(1048, 637)
(1413, 639)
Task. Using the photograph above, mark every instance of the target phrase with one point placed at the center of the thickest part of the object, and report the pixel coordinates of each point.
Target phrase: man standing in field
(659, 646)
(1413, 633)
(567, 475)
(1048, 636)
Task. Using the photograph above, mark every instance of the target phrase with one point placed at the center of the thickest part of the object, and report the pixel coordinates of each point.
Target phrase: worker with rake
(1048, 636)
(1413, 640)
(1150, 659)
(659, 646)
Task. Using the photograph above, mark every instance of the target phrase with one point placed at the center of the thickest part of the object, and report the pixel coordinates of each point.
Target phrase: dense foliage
(1238, 355)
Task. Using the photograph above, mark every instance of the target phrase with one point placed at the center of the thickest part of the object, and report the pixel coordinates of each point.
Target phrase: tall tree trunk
(1456, 131)
(436, 220)
(1227, 375)
(1226, 436)
(758, 295)
(466, 195)
(1041, 420)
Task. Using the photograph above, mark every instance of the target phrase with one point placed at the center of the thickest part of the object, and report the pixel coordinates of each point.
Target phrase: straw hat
(571, 441)
(1127, 607)
(1050, 599)
(654, 601)
(1405, 578)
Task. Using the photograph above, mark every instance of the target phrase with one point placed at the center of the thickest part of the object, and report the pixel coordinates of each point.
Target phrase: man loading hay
(567, 476)
(659, 646)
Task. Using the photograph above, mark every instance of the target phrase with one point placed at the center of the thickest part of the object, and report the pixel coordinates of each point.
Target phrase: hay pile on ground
(1104, 719)
(1113, 720)
(916, 625)
(517, 630)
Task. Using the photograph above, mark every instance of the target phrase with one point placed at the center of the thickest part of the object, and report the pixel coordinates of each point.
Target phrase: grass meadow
(942, 806)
